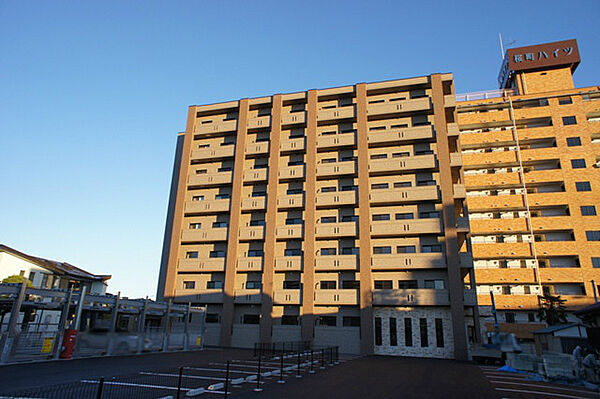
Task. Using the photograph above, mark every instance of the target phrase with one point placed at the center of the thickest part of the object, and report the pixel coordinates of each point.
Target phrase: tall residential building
(332, 215)
(531, 171)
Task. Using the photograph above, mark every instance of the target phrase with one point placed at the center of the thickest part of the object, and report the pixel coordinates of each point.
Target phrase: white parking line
(131, 384)
(221, 370)
(544, 386)
(198, 377)
(262, 366)
(542, 393)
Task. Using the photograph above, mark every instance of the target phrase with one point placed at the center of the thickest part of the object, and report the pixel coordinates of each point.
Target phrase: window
(378, 156)
(222, 196)
(189, 285)
(378, 338)
(509, 317)
(328, 189)
(259, 194)
(288, 320)
(593, 235)
(506, 289)
(423, 331)
(383, 284)
(257, 223)
(255, 252)
(569, 120)
(212, 318)
(531, 317)
(400, 154)
(406, 249)
(401, 184)
(216, 254)
(191, 255)
(393, 333)
(589, 210)
(596, 263)
(292, 252)
(229, 168)
(350, 218)
(379, 186)
(573, 141)
(431, 248)
(404, 216)
(382, 216)
(214, 285)
(198, 198)
(578, 163)
(407, 284)
(328, 160)
(439, 333)
(32, 276)
(253, 285)
(565, 100)
(408, 341)
(435, 284)
(350, 251)
(349, 188)
(351, 321)
(328, 285)
(350, 284)
(328, 251)
(195, 226)
(527, 290)
(291, 285)
(201, 171)
(219, 224)
(293, 221)
(293, 191)
(251, 319)
(583, 186)
(45, 278)
(330, 321)
(382, 250)
(328, 219)
(429, 215)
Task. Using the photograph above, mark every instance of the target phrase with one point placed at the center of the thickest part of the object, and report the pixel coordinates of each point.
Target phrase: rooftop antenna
(511, 42)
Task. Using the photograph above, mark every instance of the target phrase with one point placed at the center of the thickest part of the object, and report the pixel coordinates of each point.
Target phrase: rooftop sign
(539, 56)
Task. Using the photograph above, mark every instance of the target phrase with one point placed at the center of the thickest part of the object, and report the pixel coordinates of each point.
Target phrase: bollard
(281, 380)
(179, 381)
(100, 387)
(258, 388)
(298, 368)
(227, 379)
(330, 356)
(337, 355)
(323, 358)
(312, 370)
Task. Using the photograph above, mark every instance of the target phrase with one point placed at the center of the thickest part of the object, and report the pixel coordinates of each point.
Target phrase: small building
(45, 273)
(560, 338)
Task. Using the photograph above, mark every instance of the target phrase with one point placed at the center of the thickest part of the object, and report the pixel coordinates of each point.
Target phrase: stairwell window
(573, 141)
(565, 100)
(583, 186)
(569, 120)
(408, 338)
(424, 333)
(439, 333)
(596, 263)
(378, 334)
(593, 235)
(578, 163)
(588, 210)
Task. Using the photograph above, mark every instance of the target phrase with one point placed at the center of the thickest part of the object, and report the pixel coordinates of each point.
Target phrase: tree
(16, 279)
(552, 309)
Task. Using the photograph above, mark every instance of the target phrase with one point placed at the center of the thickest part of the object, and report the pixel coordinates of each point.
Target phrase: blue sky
(92, 94)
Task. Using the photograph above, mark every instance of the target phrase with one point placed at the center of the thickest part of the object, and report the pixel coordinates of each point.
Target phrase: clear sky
(93, 93)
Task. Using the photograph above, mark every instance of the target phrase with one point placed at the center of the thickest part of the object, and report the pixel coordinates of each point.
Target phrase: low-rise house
(560, 338)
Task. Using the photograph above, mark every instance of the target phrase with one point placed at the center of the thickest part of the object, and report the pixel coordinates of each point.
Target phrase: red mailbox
(68, 344)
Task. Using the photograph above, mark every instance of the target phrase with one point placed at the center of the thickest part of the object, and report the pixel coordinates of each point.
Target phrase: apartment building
(332, 215)
(530, 158)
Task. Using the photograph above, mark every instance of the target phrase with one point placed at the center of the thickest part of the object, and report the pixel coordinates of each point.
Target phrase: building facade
(530, 158)
(332, 215)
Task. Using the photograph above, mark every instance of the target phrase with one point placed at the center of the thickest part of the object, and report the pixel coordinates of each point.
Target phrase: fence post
(167, 327)
(113, 324)
(186, 334)
(281, 380)
(298, 366)
(62, 324)
(227, 379)
(100, 388)
(312, 370)
(179, 381)
(323, 358)
(142, 327)
(258, 388)
(337, 355)
(6, 348)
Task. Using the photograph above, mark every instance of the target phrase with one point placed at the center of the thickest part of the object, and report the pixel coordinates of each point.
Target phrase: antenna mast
(501, 45)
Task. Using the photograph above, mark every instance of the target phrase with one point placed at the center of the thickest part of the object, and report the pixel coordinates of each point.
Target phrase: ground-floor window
(439, 333)
(408, 332)
(378, 338)
(423, 331)
(393, 334)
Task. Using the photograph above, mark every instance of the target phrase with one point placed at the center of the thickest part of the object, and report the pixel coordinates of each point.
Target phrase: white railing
(483, 95)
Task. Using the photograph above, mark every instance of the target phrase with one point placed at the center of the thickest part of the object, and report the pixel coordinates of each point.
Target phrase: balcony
(201, 265)
(484, 181)
(462, 224)
(408, 261)
(213, 179)
(287, 297)
(216, 127)
(334, 169)
(460, 191)
(450, 101)
(288, 264)
(553, 223)
(204, 154)
(334, 141)
(336, 297)
(251, 233)
(291, 172)
(249, 264)
(418, 162)
(503, 250)
(254, 203)
(556, 248)
(400, 136)
(200, 296)
(336, 113)
(199, 235)
(336, 230)
(248, 296)
(290, 201)
(405, 228)
(288, 145)
(404, 195)
(494, 226)
(258, 148)
(289, 232)
(293, 118)
(259, 122)
(453, 130)
(416, 104)
(456, 160)
(411, 297)
(490, 159)
(207, 206)
(255, 175)
(336, 262)
(337, 198)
